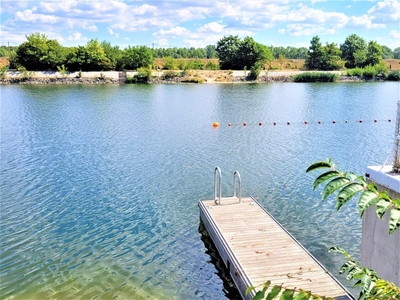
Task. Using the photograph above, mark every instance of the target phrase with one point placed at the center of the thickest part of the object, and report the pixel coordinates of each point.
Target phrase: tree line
(39, 53)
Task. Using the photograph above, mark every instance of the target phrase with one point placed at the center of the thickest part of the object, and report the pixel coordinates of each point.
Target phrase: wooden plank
(256, 248)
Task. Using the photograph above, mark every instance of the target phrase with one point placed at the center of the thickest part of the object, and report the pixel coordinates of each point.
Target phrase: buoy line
(305, 122)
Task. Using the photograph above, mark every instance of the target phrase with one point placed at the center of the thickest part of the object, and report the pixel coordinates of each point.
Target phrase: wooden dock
(256, 248)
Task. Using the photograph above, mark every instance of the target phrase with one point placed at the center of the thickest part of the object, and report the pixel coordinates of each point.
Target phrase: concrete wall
(379, 250)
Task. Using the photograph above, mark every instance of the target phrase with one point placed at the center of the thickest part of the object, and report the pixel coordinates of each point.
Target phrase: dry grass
(394, 63)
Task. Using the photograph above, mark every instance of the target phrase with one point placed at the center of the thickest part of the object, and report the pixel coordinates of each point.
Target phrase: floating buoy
(305, 122)
(244, 123)
(288, 123)
(389, 120)
(215, 124)
(360, 121)
(229, 124)
(333, 121)
(259, 123)
(319, 122)
(375, 120)
(274, 123)
(346, 121)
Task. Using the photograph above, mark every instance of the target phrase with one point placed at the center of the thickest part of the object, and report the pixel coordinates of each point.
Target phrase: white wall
(379, 250)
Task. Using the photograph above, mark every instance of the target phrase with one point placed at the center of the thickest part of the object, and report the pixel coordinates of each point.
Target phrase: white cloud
(90, 27)
(77, 36)
(385, 11)
(281, 31)
(171, 33)
(212, 27)
(364, 22)
(394, 34)
(27, 16)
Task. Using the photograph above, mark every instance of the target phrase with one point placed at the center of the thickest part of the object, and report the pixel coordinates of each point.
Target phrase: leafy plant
(3, 72)
(372, 287)
(315, 77)
(143, 76)
(347, 185)
(394, 76)
(62, 70)
(275, 291)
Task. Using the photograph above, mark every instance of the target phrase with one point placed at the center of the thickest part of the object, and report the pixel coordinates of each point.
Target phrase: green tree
(113, 53)
(89, 58)
(387, 52)
(137, 57)
(236, 54)
(374, 53)
(315, 55)
(354, 49)
(228, 50)
(396, 53)
(211, 52)
(39, 53)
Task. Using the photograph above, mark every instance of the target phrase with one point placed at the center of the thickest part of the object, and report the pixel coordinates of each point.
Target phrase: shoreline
(158, 77)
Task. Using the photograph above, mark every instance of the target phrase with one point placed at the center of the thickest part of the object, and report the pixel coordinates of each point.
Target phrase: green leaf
(347, 193)
(323, 177)
(353, 272)
(367, 198)
(396, 203)
(260, 294)
(274, 292)
(337, 250)
(348, 265)
(287, 295)
(249, 289)
(394, 221)
(303, 295)
(381, 207)
(319, 165)
(334, 185)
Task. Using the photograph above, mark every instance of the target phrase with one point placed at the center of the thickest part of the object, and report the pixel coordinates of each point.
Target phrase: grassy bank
(316, 77)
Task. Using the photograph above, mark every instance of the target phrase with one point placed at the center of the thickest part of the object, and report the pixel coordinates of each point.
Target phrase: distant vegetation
(316, 77)
(39, 53)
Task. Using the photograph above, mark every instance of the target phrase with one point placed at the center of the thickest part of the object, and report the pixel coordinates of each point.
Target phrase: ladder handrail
(239, 185)
(217, 173)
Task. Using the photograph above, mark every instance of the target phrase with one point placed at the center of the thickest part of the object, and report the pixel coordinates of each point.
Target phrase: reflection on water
(99, 184)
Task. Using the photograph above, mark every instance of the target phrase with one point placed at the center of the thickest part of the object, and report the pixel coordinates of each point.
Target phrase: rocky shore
(178, 77)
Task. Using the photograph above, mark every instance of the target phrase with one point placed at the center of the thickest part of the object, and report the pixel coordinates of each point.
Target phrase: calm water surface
(99, 184)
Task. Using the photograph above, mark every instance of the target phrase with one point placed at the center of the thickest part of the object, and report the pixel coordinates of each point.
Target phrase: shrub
(394, 76)
(193, 80)
(3, 72)
(254, 71)
(211, 66)
(62, 70)
(143, 76)
(369, 72)
(316, 77)
(169, 63)
(170, 74)
(181, 64)
(355, 72)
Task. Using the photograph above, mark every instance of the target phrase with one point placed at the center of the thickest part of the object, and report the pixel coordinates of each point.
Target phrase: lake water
(100, 183)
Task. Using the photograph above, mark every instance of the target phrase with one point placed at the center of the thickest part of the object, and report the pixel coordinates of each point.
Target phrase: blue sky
(180, 23)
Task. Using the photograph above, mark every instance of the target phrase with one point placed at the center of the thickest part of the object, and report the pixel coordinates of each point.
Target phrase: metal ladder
(218, 187)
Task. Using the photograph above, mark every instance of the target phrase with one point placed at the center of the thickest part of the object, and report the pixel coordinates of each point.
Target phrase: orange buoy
(244, 123)
(229, 124)
(305, 122)
(259, 123)
(360, 121)
(215, 124)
